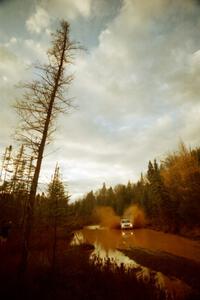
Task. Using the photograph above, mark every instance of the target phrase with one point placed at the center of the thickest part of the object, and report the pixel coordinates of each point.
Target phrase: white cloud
(11, 42)
(10, 65)
(5, 78)
(34, 51)
(38, 21)
(69, 9)
(10, 72)
(195, 60)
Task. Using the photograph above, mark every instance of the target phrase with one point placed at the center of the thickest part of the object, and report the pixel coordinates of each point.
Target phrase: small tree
(56, 208)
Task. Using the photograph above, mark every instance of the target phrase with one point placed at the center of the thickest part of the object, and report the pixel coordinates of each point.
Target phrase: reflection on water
(115, 256)
(107, 242)
(78, 239)
(144, 238)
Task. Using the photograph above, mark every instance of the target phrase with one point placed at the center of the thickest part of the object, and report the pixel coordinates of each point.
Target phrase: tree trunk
(32, 195)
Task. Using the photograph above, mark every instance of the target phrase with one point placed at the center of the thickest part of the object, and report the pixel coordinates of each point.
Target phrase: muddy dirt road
(110, 239)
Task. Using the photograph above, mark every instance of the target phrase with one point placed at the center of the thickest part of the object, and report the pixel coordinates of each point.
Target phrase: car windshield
(125, 221)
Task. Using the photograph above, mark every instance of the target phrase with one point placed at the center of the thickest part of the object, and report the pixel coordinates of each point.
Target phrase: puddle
(106, 253)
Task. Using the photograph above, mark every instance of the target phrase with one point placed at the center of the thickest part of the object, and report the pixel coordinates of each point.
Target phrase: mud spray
(136, 215)
(106, 216)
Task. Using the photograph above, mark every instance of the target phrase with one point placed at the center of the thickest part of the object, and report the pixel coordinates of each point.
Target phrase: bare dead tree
(42, 101)
(19, 166)
(6, 168)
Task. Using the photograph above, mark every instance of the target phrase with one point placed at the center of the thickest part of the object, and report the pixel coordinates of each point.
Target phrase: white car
(126, 224)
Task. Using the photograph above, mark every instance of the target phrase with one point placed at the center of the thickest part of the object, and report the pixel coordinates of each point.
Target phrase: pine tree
(57, 205)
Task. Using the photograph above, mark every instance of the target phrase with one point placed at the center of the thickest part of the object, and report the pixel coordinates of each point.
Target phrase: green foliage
(57, 200)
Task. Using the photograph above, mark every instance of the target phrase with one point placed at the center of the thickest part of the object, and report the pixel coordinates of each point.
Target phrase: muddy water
(108, 242)
(150, 239)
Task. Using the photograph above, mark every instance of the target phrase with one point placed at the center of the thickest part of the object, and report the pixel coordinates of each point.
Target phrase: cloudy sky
(137, 87)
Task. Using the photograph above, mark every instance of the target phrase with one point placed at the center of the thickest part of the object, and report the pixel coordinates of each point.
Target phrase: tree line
(168, 193)
(51, 208)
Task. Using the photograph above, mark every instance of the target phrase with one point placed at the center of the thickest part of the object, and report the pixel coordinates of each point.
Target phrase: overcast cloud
(136, 87)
